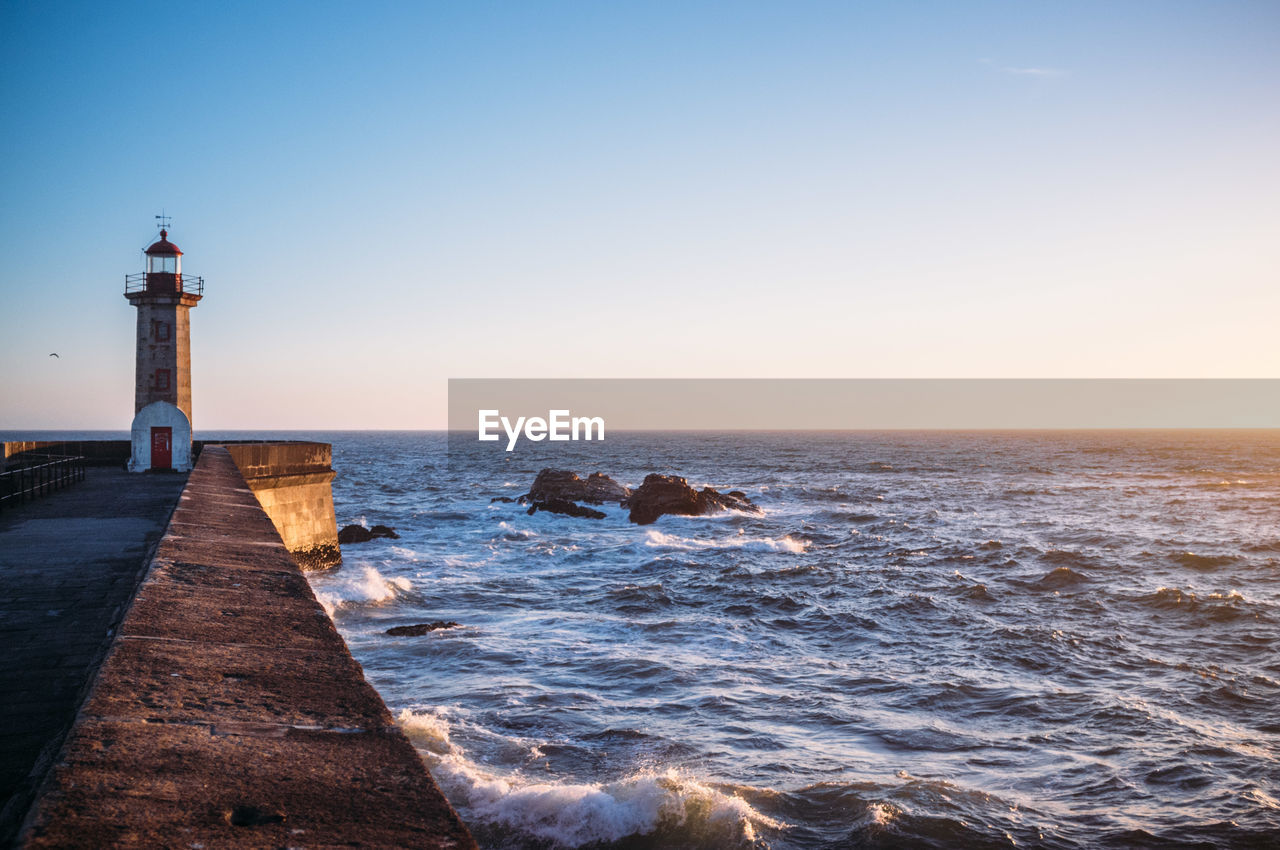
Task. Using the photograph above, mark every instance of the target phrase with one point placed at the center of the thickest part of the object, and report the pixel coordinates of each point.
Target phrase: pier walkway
(69, 564)
(228, 711)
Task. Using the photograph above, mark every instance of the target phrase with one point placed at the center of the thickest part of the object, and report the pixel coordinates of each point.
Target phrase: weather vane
(163, 220)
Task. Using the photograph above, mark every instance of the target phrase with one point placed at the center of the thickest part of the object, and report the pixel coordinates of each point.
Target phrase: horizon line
(196, 434)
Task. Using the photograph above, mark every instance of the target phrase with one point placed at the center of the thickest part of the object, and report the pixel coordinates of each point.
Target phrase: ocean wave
(1219, 607)
(367, 586)
(566, 814)
(510, 532)
(1203, 562)
(857, 516)
(516, 809)
(978, 592)
(428, 730)
(432, 730)
(1061, 577)
(640, 597)
(443, 516)
(1225, 483)
(1070, 558)
(786, 543)
(1262, 546)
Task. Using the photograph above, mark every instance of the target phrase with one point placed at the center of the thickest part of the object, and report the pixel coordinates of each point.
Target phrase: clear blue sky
(382, 196)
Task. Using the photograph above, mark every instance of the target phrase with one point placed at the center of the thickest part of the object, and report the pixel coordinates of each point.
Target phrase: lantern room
(163, 256)
(164, 271)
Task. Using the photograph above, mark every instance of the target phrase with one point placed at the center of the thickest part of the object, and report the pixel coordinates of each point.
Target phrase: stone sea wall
(228, 711)
(292, 481)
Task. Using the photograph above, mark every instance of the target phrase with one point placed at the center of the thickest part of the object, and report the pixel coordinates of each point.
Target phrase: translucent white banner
(555, 409)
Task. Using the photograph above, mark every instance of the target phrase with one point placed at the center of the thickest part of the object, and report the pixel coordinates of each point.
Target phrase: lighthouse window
(160, 331)
(162, 263)
(162, 379)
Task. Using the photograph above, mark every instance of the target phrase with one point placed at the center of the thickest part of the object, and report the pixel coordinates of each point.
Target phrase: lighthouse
(164, 296)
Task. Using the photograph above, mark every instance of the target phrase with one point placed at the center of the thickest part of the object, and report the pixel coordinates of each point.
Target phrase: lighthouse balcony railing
(163, 282)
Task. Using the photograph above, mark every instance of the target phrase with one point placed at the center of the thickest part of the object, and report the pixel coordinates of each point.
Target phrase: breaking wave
(786, 543)
(367, 586)
(515, 809)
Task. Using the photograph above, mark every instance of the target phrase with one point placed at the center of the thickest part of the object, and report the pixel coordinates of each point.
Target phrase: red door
(161, 448)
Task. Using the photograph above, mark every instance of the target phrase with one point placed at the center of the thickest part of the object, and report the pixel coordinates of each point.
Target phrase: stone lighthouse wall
(164, 343)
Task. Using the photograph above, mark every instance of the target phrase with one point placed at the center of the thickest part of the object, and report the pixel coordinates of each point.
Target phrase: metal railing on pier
(39, 475)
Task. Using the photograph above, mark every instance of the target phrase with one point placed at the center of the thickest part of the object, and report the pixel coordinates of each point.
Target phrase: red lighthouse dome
(163, 246)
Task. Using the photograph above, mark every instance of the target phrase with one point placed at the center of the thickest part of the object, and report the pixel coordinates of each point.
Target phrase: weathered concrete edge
(229, 711)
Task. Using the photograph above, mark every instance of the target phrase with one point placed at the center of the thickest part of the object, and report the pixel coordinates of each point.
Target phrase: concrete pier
(69, 564)
(228, 711)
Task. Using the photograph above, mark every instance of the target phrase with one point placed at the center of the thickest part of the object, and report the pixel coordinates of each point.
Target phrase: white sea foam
(427, 729)
(568, 814)
(431, 730)
(510, 532)
(786, 543)
(879, 815)
(359, 588)
(576, 814)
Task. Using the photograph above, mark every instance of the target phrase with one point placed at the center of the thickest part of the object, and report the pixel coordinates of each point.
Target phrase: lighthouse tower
(164, 296)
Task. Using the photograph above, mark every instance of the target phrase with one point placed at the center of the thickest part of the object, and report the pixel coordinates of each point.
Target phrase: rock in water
(600, 488)
(564, 506)
(553, 484)
(670, 494)
(420, 628)
(354, 534)
(558, 491)
(360, 534)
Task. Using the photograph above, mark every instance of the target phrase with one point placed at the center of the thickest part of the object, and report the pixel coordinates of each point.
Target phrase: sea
(926, 639)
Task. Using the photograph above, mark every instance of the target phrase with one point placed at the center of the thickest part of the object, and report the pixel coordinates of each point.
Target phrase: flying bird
(55, 354)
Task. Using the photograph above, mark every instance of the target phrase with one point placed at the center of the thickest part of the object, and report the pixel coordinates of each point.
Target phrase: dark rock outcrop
(560, 491)
(360, 534)
(506, 499)
(420, 628)
(564, 506)
(561, 484)
(600, 488)
(670, 494)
